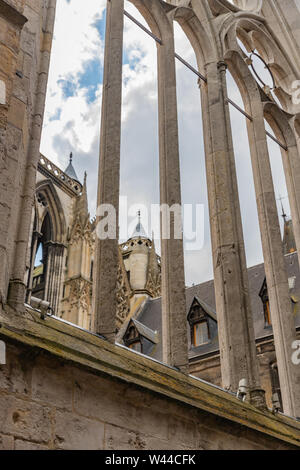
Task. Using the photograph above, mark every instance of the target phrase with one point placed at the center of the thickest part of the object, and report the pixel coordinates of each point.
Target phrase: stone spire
(284, 216)
(289, 244)
(70, 169)
(139, 231)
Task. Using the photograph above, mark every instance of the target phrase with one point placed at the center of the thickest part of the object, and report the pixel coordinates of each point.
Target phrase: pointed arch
(54, 208)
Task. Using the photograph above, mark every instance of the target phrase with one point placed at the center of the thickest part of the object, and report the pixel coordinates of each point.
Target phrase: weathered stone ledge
(83, 348)
(12, 14)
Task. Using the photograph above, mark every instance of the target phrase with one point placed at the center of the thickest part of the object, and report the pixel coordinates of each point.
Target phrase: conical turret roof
(70, 169)
(139, 231)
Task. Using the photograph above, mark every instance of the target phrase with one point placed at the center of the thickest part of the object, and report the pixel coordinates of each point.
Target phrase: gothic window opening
(145, 116)
(41, 259)
(244, 173)
(190, 129)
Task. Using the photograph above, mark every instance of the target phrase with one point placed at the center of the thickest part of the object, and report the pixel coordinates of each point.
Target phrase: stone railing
(59, 175)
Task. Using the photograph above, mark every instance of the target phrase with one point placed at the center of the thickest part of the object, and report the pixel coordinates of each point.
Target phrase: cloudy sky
(72, 123)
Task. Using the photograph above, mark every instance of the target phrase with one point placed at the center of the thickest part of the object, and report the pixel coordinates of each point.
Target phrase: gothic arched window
(41, 259)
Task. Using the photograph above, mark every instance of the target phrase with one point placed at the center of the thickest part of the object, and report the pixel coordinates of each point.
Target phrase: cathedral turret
(70, 169)
(142, 267)
(139, 273)
(136, 263)
(76, 303)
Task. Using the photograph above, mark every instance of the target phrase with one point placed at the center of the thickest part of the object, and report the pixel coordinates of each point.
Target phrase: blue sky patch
(93, 70)
(90, 78)
(68, 87)
(56, 116)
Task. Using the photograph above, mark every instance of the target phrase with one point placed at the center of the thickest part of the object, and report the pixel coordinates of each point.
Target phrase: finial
(85, 178)
(284, 216)
(283, 213)
(139, 216)
(71, 157)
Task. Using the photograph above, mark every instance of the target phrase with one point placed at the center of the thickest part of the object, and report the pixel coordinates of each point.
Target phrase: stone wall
(48, 403)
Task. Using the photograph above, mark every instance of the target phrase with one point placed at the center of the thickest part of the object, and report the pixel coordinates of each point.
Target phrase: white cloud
(76, 42)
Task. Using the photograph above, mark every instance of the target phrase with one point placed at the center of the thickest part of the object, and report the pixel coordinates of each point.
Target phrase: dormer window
(266, 304)
(132, 339)
(140, 338)
(136, 346)
(200, 334)
(199, 325)
(267, 313)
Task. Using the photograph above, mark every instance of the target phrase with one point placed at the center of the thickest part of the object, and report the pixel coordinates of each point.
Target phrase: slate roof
(146, 332)
(139, 232)
(70, 171)
(151, 317)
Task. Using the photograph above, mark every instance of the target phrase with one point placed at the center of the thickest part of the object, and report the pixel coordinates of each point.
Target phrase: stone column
(175, 348)
(53, 276)
(12, 21)
(236, 331)
(291, 165)
(283, 321)
(106, 251)
(286, 132)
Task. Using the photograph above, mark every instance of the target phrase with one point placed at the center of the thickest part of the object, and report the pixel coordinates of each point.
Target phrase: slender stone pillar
(54, 274)
(287, 133)
(291, 165)
(283, 321)
(30, 120)
(175, 347)
(107, 254)
(12, 22)
(236, 331)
